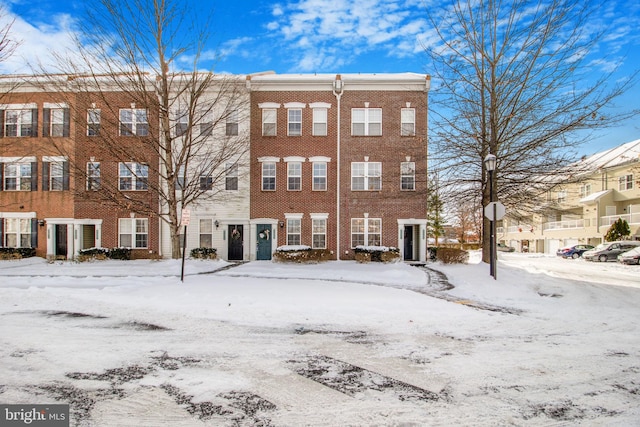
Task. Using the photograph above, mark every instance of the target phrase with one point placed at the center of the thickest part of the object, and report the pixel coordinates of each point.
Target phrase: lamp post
(490, 165)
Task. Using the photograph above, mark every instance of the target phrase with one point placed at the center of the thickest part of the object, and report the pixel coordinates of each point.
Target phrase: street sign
(186, 216)
(499, 210)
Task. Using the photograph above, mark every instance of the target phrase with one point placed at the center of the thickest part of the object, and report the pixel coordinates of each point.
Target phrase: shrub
(204, 253)
(452, 256)
(17, 253)
(103, 253)
(377, 254)
(301, 254)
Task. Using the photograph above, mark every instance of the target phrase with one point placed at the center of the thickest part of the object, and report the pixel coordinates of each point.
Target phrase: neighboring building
(338, 161)
(584, 210)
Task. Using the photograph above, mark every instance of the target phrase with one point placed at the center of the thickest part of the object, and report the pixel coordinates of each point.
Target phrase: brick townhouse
(55, 163)
(339, 161)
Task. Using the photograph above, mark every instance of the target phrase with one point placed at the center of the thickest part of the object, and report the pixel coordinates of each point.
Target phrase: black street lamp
(490, 166)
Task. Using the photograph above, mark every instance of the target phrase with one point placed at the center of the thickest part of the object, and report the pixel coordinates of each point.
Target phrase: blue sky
(323, 36)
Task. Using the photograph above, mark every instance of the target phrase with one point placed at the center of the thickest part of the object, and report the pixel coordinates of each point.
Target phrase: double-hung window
(295, 122)
(366, 176)
(268, 176)
(408, 176)
(319, 122)
(206, 124)
(562, 196)
(17, 176)
(133, 233)
(133, 176)
(17, 232)
(55, 120)
(585, 190)
(319, 233)
(182, 122)
(206, 233)
(408, 122)
(232, 123)
(366, 232)
(93, 122)
(294, 227)
(294, 176)
(206, 182)
(366, 121)
(93, 176)
(625, 182)
(55, 180)
(231, 177)
(21, 121)
(133, 121)
(269, 121)
(319, 176)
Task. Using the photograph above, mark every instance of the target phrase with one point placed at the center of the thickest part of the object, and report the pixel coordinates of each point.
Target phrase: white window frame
(407, 176)
(181, 122)
(20, 120)
(585, 190)
(56, 176)
(231, 177)
(319, 176)
(231, 125)
(269, 122)
(206, 124)
(368, 119)
(205, 231)
(134, 122)
(133, 229)
(93, 176)
(20, 173)
(135, 173)
(408, 122)
(93, 121)
(294, 176)
(294, 122)
(369, 228)
(320, 121)
(625, 182)
(369, 174)
(294, 230)
(269, 173)
(56, 122)
(319, 231)
(19, 229)
(562, 196)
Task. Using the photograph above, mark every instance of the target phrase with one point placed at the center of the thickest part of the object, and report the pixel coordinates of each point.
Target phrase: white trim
(25, 159)
(294, 159)
(17, 215)
(293, 215)
(29, 106)
(319, 215)
(55, 105)
(320, 105)
(295, 105)
(268, 105)
(55, 158)
(320, 159)
(268, 159)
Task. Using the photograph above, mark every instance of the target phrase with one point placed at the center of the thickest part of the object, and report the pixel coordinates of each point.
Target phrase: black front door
(234, 247)
(408, 242)
(61, 240)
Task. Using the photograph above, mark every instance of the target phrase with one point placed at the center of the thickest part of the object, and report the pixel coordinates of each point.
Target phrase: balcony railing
(563, 225)
(630, 218)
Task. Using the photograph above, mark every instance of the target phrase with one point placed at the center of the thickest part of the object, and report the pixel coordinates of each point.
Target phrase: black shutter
(65, 176)
(34, 176)
(1, 181)
(34, 232)
(1, 123)
(66, 128)
(34, 122)
(45, 176)
(46, 122)
(1, 232)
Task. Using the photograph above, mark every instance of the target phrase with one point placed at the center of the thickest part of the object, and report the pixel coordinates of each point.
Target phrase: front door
(264, 242)
(61, 240)
(234, 247)
(408, 242)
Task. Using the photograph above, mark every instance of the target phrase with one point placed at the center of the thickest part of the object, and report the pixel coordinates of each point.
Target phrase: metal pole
(494, 255)
(184, 250)
(492, 242)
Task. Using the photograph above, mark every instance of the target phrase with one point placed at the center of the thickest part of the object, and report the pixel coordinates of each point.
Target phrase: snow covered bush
(301, 254)
(17, 253)
(377, 254)
(452, 256)
(100, 254)
(204, 253)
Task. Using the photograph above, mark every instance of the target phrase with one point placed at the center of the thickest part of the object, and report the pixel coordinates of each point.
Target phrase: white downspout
(337, 92)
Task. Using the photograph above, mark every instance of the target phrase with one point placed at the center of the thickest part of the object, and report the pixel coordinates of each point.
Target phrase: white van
(609, 251)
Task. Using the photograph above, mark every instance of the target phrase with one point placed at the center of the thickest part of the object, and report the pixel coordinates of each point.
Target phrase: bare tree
(8, 44)
(513, 78)
(151, 51)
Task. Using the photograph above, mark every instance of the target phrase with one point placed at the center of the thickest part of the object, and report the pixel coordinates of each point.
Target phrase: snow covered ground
(551, 342)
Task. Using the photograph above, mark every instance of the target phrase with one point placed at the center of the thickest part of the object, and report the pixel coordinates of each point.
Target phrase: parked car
(504, 248)
(574, 251)
(630, 257)
(609, 251)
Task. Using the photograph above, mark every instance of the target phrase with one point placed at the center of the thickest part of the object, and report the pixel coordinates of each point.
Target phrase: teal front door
(264, 242)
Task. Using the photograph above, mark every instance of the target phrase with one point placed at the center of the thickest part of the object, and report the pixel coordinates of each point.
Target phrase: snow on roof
(595, 196)
(613, 157)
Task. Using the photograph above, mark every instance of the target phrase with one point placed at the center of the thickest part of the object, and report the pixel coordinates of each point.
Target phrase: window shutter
(46, 122)
(34, 176)
(45, 176)
(65, 176)
(66, 128)
(34, 122)
(34, 232)
(1, 231)
(1, 182)
(1, 123)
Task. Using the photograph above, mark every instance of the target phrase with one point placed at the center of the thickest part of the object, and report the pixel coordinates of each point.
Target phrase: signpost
(494, 212)
(186, 217)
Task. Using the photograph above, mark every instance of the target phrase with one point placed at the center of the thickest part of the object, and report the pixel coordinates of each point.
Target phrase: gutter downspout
(337, 92)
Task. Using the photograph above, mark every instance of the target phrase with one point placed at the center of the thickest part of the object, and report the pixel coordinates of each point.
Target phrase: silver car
(609, 251)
